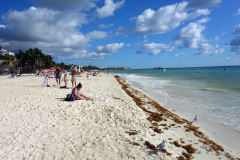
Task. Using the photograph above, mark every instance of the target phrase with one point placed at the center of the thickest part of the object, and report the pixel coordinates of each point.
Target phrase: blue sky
(130, 33)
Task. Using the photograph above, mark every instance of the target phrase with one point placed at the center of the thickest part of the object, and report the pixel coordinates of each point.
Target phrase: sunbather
(76, 93)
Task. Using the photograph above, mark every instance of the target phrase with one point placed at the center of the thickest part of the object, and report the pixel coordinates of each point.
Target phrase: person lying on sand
(76, 93)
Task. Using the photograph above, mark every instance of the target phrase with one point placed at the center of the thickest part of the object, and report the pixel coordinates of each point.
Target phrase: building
(4, 51)
(117, 68)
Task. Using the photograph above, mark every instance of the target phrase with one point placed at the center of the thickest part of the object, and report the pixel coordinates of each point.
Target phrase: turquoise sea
(211, 92)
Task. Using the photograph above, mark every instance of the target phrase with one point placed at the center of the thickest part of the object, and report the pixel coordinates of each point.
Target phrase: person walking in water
(58, 74)
(74, 79)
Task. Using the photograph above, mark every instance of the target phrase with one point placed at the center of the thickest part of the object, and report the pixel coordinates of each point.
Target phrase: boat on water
(160, 68)
(224, 68)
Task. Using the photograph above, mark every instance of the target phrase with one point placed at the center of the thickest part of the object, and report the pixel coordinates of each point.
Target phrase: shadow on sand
(152, 152)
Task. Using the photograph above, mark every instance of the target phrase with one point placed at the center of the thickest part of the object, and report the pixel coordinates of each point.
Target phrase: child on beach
(65, 80)
(46, 81)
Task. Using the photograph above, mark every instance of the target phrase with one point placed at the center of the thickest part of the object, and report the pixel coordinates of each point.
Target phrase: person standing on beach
(58, 74)
(74, 79)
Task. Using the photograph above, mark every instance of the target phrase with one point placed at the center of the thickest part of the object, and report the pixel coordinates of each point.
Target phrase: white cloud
(164, 19)
(216, 38)
(183, 60)
(91, 55)
(155, 48)
(155, 52)
(108, 8)
(96, 35)
(206, 49)
(109, 48)
(191, 34)
(52, 31)
(178, 54)
(216, 52)
(223, 32)
(227, 58)
(146, 40)
(2, 26)
(237, 12)
(66, 4)
(105, 25)
(132, 19)
(128, 44)
(202, 3)
(236, 30)
(145, 36)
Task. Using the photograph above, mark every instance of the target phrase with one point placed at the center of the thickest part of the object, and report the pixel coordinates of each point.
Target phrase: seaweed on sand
(149, 145)
(141, 100)
(180, 158)
(187, 156)
(165, 151)
(132, 132)
(177, 144)
(189, 149)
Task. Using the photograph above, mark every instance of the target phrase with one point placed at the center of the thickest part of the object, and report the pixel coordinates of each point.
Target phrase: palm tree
(20, 57)
(39, 58)
(48, 61)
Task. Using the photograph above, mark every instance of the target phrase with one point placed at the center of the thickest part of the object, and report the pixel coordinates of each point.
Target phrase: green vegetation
(33, 59)
(90, 67)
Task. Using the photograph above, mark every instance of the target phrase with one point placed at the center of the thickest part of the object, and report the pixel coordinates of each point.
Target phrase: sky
(125, 33)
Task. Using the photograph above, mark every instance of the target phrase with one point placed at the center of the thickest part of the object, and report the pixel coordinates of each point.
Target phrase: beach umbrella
(52, 68)
(69, 69)
(45, 70)
(6, 69)
(49, 70)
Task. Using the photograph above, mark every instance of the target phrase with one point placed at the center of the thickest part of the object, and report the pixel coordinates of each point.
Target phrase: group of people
(58, 75)
(76, 88)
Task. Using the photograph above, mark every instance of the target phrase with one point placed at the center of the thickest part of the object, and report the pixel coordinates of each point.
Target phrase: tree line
(33, 59)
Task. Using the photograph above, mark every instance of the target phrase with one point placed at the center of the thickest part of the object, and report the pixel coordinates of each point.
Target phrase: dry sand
(37, 124)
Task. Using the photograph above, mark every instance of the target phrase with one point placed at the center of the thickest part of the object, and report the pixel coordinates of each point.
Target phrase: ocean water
(210, 92)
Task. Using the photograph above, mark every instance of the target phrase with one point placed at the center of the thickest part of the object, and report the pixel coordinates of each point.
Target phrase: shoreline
(37, 123)
(215, 130)
(204, 130)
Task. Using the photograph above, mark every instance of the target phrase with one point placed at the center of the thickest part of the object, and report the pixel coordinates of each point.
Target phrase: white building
(4, 51)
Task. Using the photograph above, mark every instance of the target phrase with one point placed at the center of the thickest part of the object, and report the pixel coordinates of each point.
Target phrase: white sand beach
(37, 124)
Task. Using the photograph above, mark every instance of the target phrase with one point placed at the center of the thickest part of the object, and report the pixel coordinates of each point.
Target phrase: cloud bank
(164, 19)
(235, 43)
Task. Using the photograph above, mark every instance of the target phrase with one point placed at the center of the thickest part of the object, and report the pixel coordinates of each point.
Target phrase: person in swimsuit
(74, 79)
(58, 74)
(76, 93)
(65, 80)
